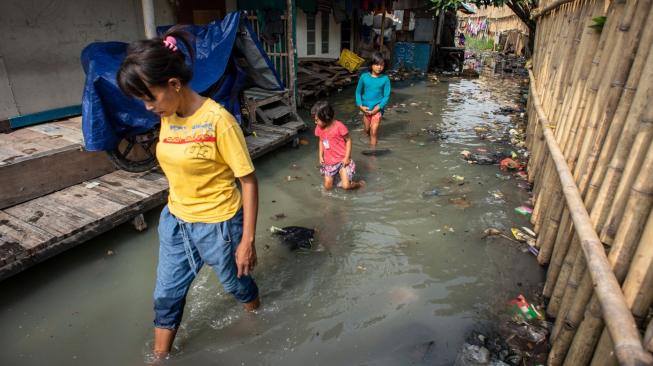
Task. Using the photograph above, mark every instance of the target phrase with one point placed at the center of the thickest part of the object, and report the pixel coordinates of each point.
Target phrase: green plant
(598, 24)
(479, 43)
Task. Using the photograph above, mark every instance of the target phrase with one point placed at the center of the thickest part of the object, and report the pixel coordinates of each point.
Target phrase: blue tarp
(228, 58)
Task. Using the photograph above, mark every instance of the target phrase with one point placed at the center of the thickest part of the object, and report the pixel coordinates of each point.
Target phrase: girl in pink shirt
(335, 149)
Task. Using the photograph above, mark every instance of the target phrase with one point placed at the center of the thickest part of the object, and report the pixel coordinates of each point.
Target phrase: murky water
(395, 278)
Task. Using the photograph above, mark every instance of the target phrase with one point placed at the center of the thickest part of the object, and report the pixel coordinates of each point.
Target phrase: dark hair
(377, 59)
(150, 63)
(323, 110)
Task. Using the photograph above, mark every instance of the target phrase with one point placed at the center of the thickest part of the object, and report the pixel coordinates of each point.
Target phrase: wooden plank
(277, 112)
(119, 195)
(274, 129)
(140, 183)
(63, 131)
(90, 201)
(29, 237)
(57, 223)
(36, 230)
(28, 179)
(86, 232)
(33, 142)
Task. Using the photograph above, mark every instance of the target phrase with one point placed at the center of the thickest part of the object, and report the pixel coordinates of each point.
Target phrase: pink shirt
(333, 141)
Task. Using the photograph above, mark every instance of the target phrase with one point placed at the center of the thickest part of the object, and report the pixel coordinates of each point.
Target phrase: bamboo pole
(587, 40)
(560, 251)
(638, 208)
(618, 67)
(618, 318)
(622, 129)
(565, 302)
(573, 316)
(577, 130)
(648, 337)
(575, 136)
(637, 290)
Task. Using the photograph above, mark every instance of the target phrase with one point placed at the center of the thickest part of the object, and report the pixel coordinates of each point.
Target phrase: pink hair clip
(171, 43)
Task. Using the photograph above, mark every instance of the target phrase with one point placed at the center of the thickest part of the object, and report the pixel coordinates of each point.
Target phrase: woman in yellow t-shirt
(202, 151)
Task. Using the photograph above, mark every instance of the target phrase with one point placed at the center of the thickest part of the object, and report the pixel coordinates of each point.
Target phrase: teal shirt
(372, 91)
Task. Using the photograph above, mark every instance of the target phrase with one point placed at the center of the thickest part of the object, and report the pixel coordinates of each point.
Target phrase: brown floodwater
(394, 277)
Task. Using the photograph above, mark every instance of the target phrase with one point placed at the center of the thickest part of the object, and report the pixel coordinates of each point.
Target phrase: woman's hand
(375, 110)
(346, 161)
(246, 251)
(245, 258)
(364, 109)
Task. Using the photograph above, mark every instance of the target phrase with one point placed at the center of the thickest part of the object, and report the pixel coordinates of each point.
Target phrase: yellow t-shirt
(201, 155)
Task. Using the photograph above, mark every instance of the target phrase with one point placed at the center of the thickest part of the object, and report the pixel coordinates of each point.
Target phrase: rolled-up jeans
(183, 250)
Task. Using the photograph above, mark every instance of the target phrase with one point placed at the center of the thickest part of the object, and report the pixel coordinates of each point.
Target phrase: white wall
(334, 36)
(42, 40)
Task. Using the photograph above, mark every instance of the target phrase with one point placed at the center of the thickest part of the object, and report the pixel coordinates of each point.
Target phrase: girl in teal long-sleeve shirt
(372, 95)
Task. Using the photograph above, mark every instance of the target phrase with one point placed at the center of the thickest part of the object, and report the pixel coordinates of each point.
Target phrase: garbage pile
(510, 63)
(520, 339)
(402, 74)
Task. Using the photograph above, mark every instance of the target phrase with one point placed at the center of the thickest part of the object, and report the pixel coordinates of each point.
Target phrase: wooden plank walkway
(38, 229)
(45, 158)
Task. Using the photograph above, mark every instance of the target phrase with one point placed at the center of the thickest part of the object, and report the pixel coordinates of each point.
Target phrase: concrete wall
(334, 36)
(42, 41)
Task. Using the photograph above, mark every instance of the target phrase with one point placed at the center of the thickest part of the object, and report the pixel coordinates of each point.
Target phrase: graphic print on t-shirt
(200, 137)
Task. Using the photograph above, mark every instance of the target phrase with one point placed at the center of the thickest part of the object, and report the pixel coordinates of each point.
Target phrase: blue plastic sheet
(218, 72)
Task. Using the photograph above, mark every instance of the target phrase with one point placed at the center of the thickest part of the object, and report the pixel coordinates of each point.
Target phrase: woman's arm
(246, 252)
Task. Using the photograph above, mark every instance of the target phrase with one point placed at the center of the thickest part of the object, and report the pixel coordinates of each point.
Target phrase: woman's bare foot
(252, 305)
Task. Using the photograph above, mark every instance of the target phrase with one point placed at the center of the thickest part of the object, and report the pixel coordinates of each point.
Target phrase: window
(310, 34)
(325, 32)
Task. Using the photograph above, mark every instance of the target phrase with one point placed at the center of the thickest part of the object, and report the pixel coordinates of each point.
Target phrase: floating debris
(295, 237)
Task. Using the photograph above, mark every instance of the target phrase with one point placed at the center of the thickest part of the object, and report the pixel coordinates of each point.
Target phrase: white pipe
(148, 18)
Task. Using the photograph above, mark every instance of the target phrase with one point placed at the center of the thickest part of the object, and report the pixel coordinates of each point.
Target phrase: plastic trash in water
(523, 237)
(431, 193)
(472, 355)
(524, 210)
(526, 310)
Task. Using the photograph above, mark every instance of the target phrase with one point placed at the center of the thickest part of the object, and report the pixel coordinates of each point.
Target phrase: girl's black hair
(323, 110)
(377, 59)
(150, 63)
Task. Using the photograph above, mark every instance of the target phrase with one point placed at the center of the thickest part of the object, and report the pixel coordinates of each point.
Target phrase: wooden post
(148, 18)
(382, 23)
(292, 57)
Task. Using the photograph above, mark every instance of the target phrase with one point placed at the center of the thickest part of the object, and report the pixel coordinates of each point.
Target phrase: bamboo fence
(590, 135)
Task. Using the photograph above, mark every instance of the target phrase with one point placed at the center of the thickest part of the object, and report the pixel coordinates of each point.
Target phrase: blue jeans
(184, 248)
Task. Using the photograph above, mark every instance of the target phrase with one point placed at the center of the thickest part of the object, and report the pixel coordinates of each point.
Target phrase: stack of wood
(316, 76)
